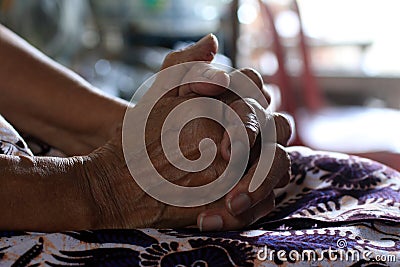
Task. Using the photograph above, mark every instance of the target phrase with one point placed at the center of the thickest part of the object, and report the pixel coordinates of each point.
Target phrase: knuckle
(266, 95)
(254, 76)
(253, 104)
(242, 109)
(282, 158)
(263, 97)
(241, 105)
(171, 56)
(283, 128)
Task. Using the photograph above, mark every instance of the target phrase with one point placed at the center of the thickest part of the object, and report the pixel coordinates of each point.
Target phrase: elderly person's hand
(119, 201)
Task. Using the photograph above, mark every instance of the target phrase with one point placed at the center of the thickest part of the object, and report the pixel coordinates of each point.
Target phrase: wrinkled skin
(190, 136)
(120, 203)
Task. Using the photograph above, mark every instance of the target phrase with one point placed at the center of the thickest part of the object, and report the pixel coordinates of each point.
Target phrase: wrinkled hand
(120, 202)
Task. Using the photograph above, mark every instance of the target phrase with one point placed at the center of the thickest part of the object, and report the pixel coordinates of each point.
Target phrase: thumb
(204, 50)
(167, 79)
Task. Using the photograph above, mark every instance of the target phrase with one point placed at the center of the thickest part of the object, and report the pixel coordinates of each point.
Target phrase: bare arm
(46, 194)
(97, 191)
(46, 100)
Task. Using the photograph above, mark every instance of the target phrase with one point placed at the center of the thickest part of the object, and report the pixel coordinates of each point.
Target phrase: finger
(220, 219)
(168, 79)
(247, 114)
(204, 79)
(238, 200)
(204, 50)
(249, 82)
(283, 129)
(265, 98)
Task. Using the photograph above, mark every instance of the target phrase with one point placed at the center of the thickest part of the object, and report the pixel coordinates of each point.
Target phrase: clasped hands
(120, 203)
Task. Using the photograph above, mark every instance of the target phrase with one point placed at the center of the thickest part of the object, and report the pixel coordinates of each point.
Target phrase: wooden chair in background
(369, 132)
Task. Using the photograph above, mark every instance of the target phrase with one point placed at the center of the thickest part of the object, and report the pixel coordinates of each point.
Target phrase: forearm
(43, 194)
(45, 99)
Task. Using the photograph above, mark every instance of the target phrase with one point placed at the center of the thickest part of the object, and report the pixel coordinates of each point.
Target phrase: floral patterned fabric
(11, 143)
(337, 210)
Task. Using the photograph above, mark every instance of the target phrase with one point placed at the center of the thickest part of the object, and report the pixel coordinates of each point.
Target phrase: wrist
(102, 183)
(84, 188)
(117, 201)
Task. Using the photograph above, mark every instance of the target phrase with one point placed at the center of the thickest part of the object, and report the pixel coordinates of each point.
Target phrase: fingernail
(211, 223)
(239, 204)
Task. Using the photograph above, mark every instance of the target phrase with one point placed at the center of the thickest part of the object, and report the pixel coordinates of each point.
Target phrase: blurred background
(326, 60)
(117, 43)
